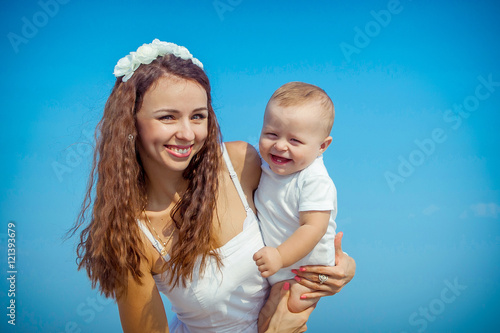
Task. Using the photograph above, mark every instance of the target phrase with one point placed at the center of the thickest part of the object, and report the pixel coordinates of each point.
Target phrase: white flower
(197, 63)
(182, 53)
(162, 47)
(146, 53)
(123, 66)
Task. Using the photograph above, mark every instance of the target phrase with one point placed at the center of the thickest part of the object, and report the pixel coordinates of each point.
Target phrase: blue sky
(416, 87)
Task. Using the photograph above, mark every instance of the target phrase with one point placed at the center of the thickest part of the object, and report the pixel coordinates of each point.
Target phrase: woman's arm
(140, 306)
(338, 275)
(275, 316)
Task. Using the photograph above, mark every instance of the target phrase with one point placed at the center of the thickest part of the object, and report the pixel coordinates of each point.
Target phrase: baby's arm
(313, 226)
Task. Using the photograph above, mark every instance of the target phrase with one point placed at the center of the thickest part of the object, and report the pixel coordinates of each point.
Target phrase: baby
(296, 200)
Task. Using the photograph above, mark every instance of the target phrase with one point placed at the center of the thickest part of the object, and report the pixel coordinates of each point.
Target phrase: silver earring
(130, 137)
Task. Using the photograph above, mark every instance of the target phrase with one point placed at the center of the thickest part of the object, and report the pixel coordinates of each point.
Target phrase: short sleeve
(317, 193)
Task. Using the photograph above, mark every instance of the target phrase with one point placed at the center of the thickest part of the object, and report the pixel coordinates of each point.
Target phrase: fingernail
(303, 296)
(286, 286)
(294, 271)
(302, 269)
(297, 278)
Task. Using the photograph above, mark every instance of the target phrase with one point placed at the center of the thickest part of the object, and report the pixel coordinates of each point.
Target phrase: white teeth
(180, 151)
(280, 159)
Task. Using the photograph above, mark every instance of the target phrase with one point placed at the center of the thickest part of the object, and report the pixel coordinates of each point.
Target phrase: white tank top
(225, 300)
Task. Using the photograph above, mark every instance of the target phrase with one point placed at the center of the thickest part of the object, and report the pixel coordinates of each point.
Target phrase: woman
(173, 208)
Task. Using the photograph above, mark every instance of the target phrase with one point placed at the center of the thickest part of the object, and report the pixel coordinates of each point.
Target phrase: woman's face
(172, 123)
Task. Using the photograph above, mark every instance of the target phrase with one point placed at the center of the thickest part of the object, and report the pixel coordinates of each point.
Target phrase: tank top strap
(234, 178)
(156, 244)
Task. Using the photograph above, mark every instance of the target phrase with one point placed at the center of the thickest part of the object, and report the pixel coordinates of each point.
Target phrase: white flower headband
(146, 53)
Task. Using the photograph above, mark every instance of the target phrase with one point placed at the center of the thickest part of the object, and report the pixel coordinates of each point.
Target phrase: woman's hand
(275, 316)
(337, 276)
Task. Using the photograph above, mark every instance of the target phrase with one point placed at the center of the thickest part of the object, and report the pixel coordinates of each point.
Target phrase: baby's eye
(296, 140)
(273, 135)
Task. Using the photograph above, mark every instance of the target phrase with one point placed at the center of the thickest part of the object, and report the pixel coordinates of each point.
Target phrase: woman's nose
(185, 131)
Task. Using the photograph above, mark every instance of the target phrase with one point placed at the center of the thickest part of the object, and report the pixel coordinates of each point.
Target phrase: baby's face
(292, 137)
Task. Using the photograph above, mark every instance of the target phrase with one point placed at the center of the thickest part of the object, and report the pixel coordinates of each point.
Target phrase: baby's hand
(268, 259)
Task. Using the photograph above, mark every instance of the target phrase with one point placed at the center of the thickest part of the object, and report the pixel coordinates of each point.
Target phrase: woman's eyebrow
(166, 110)
(201, 109)
(204, 108)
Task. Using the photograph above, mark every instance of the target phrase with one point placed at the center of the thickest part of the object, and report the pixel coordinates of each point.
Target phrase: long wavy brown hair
(110, 245)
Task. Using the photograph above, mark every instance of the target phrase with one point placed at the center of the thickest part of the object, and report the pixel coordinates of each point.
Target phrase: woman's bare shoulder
(246, 162)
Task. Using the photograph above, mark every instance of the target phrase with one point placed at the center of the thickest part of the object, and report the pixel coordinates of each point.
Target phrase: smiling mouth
(179, 151)
(279, 160)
